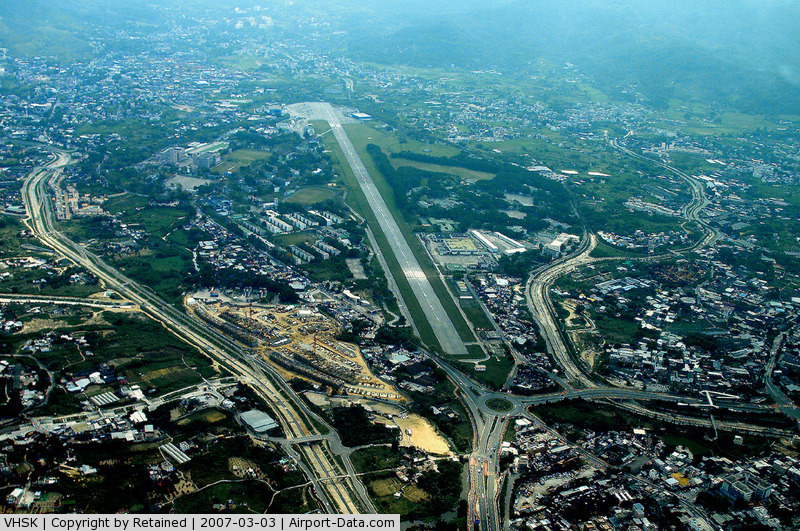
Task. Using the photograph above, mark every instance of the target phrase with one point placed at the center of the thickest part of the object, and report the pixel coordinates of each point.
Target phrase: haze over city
(485, 265)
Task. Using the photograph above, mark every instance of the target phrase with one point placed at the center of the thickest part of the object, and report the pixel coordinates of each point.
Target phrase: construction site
(300, 343)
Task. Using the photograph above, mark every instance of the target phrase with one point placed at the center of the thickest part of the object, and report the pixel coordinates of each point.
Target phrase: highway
(537, 291)
(484, 463)
(489, 425)
(338, 488)
(443, 328)
(537, 294)
(690, 211)
(783, 402)
(67, 301)
(320, 454)
(489, 428)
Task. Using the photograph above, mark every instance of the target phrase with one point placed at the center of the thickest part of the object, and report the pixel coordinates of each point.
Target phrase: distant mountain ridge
(745, 53)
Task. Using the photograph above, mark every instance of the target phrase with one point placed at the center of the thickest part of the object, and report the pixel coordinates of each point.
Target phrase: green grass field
(693, 115)
(164, 272)
(586, 414)
(616, 330)
(463, 173)
(284, 240)
(374, 458)
(361, 137)
(9, 236)
(39, 282)
(359, 203)
(46, 40)
(495, 374)
(253, 495)
(383, 494)
(239, 159)
(157, 221)
(476, 315)
(312, 195)
(499, 404)
(136, 210)
(362, 134)
(134, 345)
(180, 237)
(122, 203)
(510, 432)
(603, 250)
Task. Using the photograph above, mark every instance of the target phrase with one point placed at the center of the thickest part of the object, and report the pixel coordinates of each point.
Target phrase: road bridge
(342, 494)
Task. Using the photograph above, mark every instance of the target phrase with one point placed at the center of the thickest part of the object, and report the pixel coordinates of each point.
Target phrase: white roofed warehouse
(258, 421)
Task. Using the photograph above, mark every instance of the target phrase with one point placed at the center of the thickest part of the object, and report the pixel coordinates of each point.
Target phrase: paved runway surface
(442, 326)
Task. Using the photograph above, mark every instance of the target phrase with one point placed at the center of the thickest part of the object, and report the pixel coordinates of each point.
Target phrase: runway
(437, 317)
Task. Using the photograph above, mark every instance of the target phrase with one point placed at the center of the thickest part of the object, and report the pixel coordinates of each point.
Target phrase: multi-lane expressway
(541, 307)
(537, 290)
(489, 427)
(67, 301)
(692, 210)
(537, 294)
(336, 484)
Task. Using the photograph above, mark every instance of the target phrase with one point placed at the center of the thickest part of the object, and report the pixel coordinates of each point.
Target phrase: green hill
(743, 54)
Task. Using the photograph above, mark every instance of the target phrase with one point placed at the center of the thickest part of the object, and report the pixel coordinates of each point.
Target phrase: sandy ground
(576, 335)
(318, 399)
(588, 354)
(570, 307)
(423, 435)
(516, 214)
(38, 325)
(99, 295)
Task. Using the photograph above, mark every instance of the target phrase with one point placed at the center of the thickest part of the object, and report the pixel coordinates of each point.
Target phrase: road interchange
(337, 486)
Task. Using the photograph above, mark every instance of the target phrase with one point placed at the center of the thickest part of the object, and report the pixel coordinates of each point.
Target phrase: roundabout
(499, 405)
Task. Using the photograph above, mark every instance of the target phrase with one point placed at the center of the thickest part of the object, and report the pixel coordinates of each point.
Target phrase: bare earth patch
(355, 267)
(423, 435)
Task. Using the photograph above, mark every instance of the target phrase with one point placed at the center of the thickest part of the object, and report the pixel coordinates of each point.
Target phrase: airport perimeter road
(336, 485)
(446, 333)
